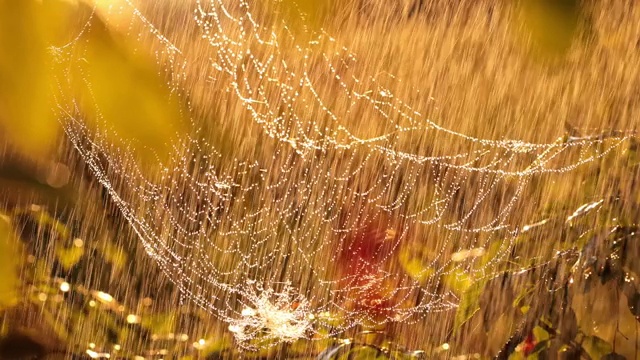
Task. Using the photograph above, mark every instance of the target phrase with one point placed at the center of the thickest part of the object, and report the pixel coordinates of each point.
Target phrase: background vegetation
(76, 284)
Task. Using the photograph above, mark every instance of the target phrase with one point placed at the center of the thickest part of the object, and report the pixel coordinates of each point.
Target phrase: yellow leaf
(596, 347)
(114, 254)
(9, 265)
(69, 257)
(26, 119)
(458, 281)
(469, 304)
(122, 93)
(45, 220)
(160, 323)
(414, 266)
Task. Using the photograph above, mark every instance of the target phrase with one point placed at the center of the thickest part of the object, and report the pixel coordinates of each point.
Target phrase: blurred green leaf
(26, 118)
(122, 91)
(362, 353)
(596, 347)
(540, 334)
(69, 257)
(414, 266)
(114, 254)
(9, 265)
(160, 323)
(118, 88)
(458, 281)
(469, 304)
(491, 253)
(215, 346)
(44, 219)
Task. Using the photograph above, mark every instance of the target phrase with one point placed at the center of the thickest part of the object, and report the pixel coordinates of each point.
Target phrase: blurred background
(77, 281)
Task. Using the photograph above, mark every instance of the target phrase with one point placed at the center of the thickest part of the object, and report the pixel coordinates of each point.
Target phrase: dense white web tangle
(259, 242)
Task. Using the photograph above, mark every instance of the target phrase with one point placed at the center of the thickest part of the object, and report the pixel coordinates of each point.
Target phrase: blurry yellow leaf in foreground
(120, 92)
(26, 119)
(9, 282)
(123, 93)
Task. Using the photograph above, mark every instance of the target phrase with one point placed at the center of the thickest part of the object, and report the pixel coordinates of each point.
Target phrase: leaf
(124, 96)
(414, 266)
(160, 323)
(114, 254)
(9, 265)
(213, 347)
(26, 119)
(44, 219)
(458, 281)
(490, 254)
(540, 334)
(596, 347)
(469, 305)
(363, 353)
(330, 352)
(540, 346)
(69, 257)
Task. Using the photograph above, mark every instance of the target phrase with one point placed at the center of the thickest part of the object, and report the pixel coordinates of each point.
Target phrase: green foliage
(414, 266)
(25, 77)
(458, 281)
(124, 90)
(362, 354)
(115, 86)
(69, 257)
(469, 304)
(352, 350)
(596, 347)
(9, 265)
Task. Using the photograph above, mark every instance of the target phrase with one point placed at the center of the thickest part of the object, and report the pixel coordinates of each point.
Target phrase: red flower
(361, 261)
(528, 345)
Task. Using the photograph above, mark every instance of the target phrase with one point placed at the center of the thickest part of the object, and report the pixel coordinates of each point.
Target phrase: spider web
(300, 238)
